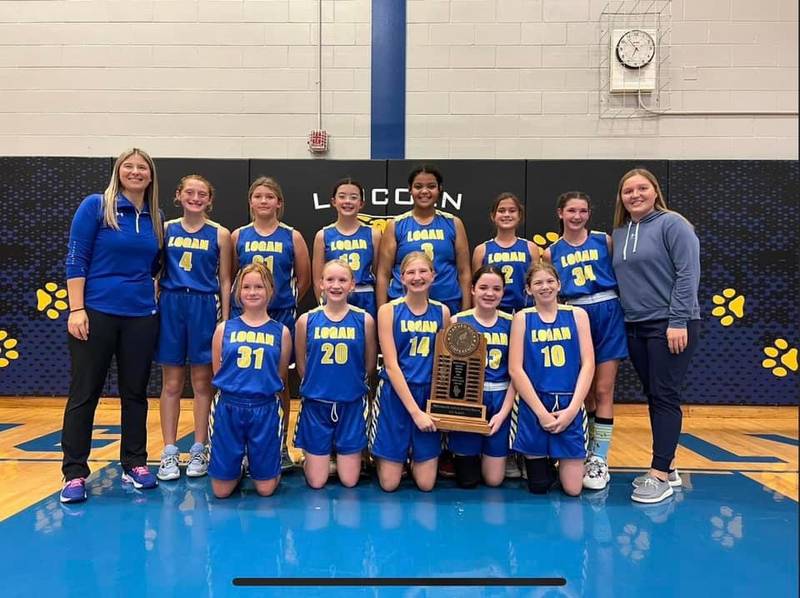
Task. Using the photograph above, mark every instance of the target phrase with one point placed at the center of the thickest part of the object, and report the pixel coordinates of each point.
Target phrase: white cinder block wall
(224, 79)
(485, 79)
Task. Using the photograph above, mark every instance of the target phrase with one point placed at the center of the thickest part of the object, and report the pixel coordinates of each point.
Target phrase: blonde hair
(413, 256)
(202, 179)
(338, 262)
(150, 194)
(271, 184)
(621, 215)
(262, 271)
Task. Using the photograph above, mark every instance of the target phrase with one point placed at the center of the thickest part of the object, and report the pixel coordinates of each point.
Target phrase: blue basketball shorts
(393, 435)
(188, 321)
(325, 426)
(239, 425)
(365, 300)
(470, 444)
(607, 323)
(530, 439)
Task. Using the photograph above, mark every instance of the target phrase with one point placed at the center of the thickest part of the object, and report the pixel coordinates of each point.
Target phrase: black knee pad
(539, 480)
(468, 471)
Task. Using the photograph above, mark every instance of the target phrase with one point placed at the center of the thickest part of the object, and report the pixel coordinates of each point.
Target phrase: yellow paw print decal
(730, 306)
(51, 300)
(544, 240)
(8, 349)
(780, 358)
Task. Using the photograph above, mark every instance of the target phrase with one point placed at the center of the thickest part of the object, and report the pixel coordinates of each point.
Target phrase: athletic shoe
(447, 467)
(596, 476)
(674, 479)
(198, 461)
(73, 491)
(286, 460)
(168, 468)
(652, 490)
(140, 477)
(512, 467)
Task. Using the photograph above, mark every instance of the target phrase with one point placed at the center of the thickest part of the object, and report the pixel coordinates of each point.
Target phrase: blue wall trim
(388, 91)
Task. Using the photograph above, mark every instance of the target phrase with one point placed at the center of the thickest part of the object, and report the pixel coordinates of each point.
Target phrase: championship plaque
(457, 386)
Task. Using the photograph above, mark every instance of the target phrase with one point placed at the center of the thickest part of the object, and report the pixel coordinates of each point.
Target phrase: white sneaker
(198, 461)
(596, 476)
(168, 469)
(512, 468)
(674, 479)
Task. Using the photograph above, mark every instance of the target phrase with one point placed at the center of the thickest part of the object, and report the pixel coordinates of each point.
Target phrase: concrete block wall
(485, 79)
(226, 78)
(519, 78)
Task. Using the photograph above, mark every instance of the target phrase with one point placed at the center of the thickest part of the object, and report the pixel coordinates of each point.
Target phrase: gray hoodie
(657, 263)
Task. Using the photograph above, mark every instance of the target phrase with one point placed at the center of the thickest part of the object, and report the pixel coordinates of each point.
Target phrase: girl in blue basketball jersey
(508, 252)
(283, 251)
(582, 258)
(407, 329)
(436, 233)
(197, 269)
(250, 358)
(352, 241)
(551, 361)
(336, 350)
(479, 456)
(513, 256)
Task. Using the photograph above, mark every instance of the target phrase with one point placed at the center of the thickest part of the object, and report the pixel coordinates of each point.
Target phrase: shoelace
(169, 461)
(198, 458)
(651, 481)
(75, 482)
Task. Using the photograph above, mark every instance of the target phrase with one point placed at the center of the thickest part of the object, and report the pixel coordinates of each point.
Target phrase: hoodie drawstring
(635, 240)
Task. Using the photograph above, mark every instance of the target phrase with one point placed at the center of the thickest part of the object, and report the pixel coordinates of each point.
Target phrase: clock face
(636, 48)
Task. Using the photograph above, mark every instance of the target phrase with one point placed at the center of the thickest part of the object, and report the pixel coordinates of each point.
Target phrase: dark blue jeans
(662, 375)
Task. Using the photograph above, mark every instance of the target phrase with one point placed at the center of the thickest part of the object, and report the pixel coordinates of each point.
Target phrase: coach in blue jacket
(112, 259)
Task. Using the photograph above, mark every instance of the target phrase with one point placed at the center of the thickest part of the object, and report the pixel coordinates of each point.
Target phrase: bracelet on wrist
(72, 311)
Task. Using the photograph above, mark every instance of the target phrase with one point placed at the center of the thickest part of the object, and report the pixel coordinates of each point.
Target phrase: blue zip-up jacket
(119, 265)
(657, 263)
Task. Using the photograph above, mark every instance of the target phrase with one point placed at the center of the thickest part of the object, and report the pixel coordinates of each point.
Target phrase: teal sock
(603, 426)
(590, 431)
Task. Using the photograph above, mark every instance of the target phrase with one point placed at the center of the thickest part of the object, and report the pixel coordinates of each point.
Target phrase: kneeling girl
(400, 428)
(335, 351)
(250, 358)
(478, 456)
(551, 361)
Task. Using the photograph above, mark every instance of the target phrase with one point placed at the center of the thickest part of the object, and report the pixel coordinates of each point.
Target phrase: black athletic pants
(133, 341)
(662, 375)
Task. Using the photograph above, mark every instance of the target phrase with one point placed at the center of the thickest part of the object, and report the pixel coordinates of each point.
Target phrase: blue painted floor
(722, 535)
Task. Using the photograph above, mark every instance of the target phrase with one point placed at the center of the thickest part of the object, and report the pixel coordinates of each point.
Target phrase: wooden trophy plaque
(456, 400)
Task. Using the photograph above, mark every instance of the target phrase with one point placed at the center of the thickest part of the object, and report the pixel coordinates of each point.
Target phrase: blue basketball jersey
(552, 356)
(585, 269)
(356, 249)
(414, 339)
(513, 262)
(191, 260)
(335, 353)
(438, 240)
(276, 252)
(496, 343)
(250, 360)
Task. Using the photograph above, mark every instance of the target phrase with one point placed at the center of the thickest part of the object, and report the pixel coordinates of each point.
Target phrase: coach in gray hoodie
(657, 264)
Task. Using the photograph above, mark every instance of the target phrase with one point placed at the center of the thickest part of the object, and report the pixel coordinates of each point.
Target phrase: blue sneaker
(140, 477)
(73, 491)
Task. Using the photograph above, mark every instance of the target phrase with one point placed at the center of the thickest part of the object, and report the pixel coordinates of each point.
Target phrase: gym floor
(731, 530)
